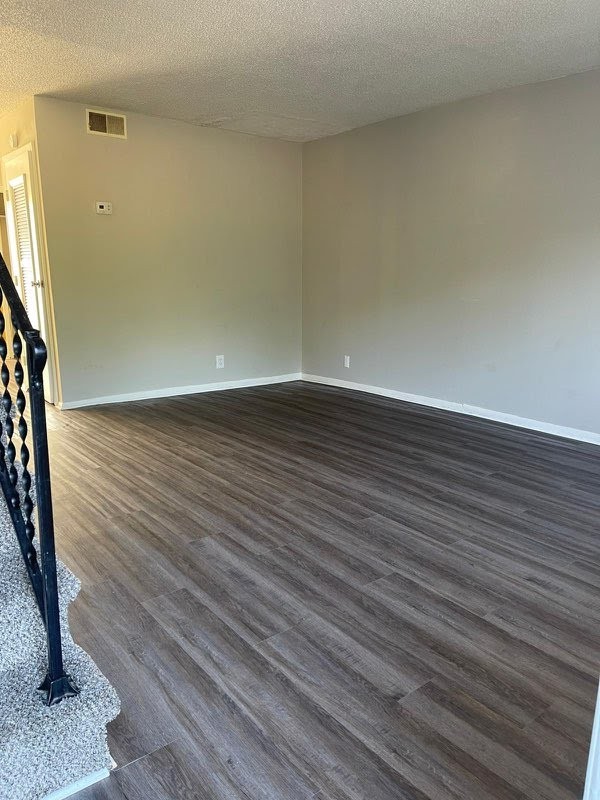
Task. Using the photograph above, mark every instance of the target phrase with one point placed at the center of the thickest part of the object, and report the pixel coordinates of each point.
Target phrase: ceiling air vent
(103, 124)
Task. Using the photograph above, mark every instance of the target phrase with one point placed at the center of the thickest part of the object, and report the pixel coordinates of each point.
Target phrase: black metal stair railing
(16, 482)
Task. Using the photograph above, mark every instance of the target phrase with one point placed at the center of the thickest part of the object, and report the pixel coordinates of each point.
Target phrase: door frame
(29, 154)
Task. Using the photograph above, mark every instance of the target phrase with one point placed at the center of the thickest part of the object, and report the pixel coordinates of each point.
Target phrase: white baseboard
(431, 402)
(462, 408)
(175, 391)
(592, 778)
(78, 786)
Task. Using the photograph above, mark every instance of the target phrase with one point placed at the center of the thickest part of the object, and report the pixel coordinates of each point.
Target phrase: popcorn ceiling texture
(44, 749)
(292, 69)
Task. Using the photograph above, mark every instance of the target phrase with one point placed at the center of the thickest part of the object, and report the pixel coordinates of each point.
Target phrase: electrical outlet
(220, 362)
(347, 362)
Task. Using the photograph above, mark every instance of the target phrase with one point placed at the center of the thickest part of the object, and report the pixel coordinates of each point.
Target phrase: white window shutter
(25, 251)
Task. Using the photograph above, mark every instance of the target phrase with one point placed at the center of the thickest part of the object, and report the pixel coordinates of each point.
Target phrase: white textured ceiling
(294, 69)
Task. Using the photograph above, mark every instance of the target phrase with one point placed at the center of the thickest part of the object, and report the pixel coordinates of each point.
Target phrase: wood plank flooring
(305, 593)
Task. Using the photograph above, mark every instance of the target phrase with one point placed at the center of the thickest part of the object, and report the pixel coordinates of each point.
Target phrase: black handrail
(16, 483)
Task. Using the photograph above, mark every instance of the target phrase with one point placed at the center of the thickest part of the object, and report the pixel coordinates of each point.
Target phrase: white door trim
(28, 154)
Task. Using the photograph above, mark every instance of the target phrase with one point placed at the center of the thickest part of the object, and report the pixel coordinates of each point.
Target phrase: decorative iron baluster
(8, 449)
(25, 534)
(3, 352)
(11, 450)
(25, 485)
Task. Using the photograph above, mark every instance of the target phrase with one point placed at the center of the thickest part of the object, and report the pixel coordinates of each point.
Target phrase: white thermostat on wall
(103, 207)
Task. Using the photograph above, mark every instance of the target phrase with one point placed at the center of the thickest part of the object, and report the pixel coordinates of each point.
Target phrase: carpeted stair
(44, 749)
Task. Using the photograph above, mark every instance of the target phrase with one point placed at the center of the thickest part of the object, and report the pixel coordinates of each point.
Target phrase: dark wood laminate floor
(301, 592)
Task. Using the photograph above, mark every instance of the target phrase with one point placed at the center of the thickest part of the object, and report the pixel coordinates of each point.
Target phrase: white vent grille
(102, 123)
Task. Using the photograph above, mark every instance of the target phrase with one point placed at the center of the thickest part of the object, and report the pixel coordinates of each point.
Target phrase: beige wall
(200, 257)
(455, 253)
(20, 121)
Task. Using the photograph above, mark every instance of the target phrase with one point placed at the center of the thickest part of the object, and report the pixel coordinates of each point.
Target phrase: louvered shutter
(25, 250)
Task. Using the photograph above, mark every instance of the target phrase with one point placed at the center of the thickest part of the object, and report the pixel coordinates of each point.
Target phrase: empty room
(300, 400)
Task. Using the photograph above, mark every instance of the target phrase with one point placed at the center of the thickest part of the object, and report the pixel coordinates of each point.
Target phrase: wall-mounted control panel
(103, 207)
